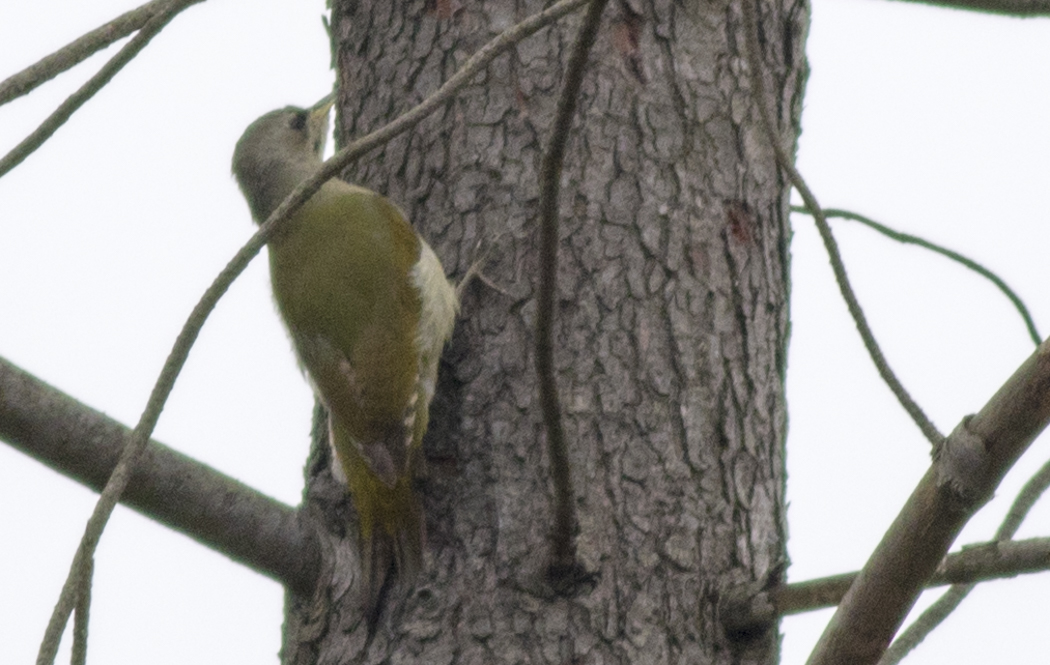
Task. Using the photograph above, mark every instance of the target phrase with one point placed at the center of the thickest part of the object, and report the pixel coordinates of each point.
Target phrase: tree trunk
(670, 334)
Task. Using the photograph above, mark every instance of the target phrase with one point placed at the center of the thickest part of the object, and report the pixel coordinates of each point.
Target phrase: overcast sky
(932, 121)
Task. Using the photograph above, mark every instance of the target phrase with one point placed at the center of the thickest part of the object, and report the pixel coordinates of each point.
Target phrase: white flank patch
(438, 315)
(335, 465)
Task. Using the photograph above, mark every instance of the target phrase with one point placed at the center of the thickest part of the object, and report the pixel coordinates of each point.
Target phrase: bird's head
(277, 152)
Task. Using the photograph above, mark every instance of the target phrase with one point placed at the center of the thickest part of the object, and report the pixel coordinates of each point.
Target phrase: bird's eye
(298, 121)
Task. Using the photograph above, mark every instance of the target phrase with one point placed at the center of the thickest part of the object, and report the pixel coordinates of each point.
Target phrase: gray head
(277, 152)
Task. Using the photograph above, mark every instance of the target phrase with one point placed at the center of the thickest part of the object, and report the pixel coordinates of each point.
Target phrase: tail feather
(390, 526)
(377, 568)
(390, 562)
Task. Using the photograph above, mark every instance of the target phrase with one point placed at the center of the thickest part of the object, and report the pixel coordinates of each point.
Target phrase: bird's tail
(390, 527)
(389, 563)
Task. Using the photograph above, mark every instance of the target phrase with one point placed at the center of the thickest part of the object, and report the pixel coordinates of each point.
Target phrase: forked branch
(967, 466)
(935, 614)
(67, 108)
(744, 610)
(79, 50)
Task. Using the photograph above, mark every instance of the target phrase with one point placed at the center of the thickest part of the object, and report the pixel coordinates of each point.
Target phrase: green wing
(341, 278)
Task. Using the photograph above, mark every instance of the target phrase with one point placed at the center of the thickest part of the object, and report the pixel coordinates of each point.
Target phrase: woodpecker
(368, 309)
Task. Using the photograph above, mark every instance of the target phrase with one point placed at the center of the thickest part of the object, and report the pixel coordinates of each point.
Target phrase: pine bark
(671, 333)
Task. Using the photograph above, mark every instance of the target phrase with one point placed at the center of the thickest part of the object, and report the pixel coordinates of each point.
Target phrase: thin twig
(1003, 7)
(180, 351)
(474, 271)
(563, 545)
(936, 613)
(1032, 491)
(913, 548)
(169, 488)
(486, 54)
(931, 617)
(77, 51)
(980, 562)
(93, 530)
(909, 239)
(65, 110)
(81, 615)
(877, 602)
(927, 427)
(480, 276)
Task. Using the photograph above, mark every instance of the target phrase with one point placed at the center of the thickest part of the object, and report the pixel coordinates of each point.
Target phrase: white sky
(932, 121)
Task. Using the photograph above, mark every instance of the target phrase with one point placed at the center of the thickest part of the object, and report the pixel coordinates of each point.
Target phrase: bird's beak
(318, 122)
(321, 108)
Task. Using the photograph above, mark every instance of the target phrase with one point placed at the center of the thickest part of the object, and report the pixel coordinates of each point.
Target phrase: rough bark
(671, 332)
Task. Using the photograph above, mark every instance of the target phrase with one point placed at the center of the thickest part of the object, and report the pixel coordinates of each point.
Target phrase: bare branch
(909, 239)
(166, 486)
(975, 563)
(77, 51)
(563, 564)
(935, 614)
(932, 616)
(477, 62)
(65, 110)
(927, 427)
(1032, 491)
(943, 501)
(967, 466)
(184, 342)
(81, 615)
(1020, 8)
(983, 562)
